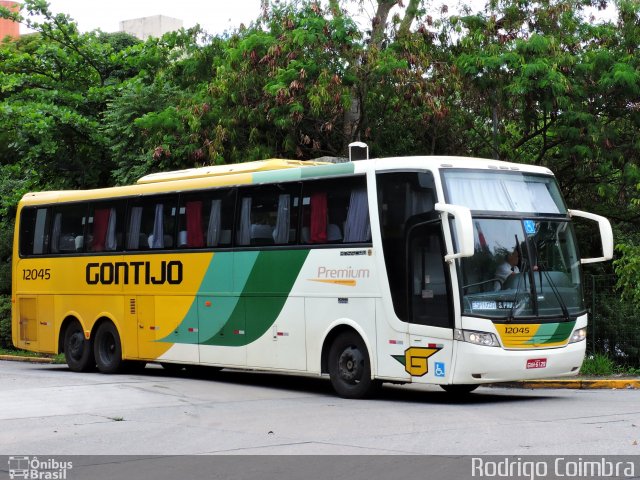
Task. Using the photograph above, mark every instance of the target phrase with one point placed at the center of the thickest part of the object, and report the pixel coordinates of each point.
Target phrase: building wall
(154, 26)
(7, 27)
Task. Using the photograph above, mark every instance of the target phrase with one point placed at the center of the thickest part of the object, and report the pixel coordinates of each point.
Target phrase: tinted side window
(268, 215)
(34, 231)
(335, 211)
(67, 229)
(151, 223)
(206, 219)
(105, 227)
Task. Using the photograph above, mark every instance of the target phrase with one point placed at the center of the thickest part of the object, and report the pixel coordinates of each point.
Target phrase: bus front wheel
(108, 349)
(349, 367)
(78, 351)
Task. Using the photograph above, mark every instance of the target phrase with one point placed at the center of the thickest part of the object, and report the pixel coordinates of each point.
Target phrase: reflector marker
(396, 342)
(283, 334)
(238, 332)
(193, 330)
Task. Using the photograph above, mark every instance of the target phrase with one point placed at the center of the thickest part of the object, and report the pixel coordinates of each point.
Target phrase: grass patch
(602, 365)
(21, 353)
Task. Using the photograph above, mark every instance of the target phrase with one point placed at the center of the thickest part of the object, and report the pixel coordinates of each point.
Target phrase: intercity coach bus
(440, 270)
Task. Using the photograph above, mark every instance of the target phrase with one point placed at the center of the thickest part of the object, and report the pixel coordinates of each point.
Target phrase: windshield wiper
(510, 317)
(542, 270)
(554, 289)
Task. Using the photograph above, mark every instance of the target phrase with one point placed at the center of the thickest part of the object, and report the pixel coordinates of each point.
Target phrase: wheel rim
(76, 345)
(107, 348)
(351, 365)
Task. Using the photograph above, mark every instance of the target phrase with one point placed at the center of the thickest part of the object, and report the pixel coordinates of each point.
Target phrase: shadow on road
(429, 394)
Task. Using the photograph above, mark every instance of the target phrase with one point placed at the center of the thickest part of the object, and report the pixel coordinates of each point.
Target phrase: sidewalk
(21, 358)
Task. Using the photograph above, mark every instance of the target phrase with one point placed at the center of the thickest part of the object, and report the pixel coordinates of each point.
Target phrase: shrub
(5, 321)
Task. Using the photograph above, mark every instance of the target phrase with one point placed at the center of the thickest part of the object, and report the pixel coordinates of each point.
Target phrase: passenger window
(335, 211)
(105, 227)
(67, 230)
(268, 215)
(34, 231)
(206, 219)
(151, 223)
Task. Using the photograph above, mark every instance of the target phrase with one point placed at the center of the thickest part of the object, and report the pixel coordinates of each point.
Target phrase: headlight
(477, 338)
(578, 335)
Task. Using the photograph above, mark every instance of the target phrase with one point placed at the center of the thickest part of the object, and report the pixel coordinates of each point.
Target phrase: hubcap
(108, 348)
(351, 365)
(76, 345)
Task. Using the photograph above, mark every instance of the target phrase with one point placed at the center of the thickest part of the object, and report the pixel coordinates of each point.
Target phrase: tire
(78, 351)
(462, 389)
(108, 349)
(350, 368)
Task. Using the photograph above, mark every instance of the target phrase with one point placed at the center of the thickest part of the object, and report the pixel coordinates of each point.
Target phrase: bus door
(429, 305)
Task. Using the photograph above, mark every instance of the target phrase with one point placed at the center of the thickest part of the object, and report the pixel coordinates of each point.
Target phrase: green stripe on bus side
(240, 297)
(284, 175)
(288, 175)
(220, 286)
(266, 291)
(328, 170)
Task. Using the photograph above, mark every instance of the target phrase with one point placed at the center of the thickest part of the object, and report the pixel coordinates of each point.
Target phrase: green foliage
(628, 270)
(598, 364)
(5, 321)
(534, 82)
(617, 328)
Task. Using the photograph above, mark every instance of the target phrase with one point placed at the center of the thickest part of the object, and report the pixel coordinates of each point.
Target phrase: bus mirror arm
(464, 229)
(606, 235)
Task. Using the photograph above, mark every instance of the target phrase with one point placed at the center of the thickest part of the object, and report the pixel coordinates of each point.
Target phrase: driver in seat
(507, 268)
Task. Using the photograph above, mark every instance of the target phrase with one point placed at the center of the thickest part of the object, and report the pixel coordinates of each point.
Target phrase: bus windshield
(522, 268)
(504, 191)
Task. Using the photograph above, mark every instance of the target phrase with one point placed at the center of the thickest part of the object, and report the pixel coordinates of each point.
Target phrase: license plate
(537, 363)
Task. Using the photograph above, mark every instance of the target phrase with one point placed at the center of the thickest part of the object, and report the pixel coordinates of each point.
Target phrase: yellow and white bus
(441, 270)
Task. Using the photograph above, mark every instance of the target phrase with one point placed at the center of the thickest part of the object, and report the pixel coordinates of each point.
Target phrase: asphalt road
(48, 410)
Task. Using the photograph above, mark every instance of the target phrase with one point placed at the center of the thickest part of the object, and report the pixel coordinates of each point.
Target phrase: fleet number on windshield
(36, 274)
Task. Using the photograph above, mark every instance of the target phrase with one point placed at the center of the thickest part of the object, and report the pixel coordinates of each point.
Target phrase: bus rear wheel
(350, 368)
(78, 351)
(108, 349)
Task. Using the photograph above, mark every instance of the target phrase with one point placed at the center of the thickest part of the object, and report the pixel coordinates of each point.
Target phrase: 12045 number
(36, 274)
(516, 330)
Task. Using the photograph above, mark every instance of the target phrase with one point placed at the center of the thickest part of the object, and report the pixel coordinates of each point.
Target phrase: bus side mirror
(464, 229)
(606, 235)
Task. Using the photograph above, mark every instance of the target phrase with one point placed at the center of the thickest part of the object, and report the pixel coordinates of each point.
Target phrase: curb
(579, 384)
(19, 358)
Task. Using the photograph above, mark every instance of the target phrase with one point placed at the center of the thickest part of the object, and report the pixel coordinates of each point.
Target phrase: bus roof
(269, 171)
(231, 169)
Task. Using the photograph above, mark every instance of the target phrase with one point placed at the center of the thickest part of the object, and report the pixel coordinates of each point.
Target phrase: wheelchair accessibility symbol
(439, 371)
